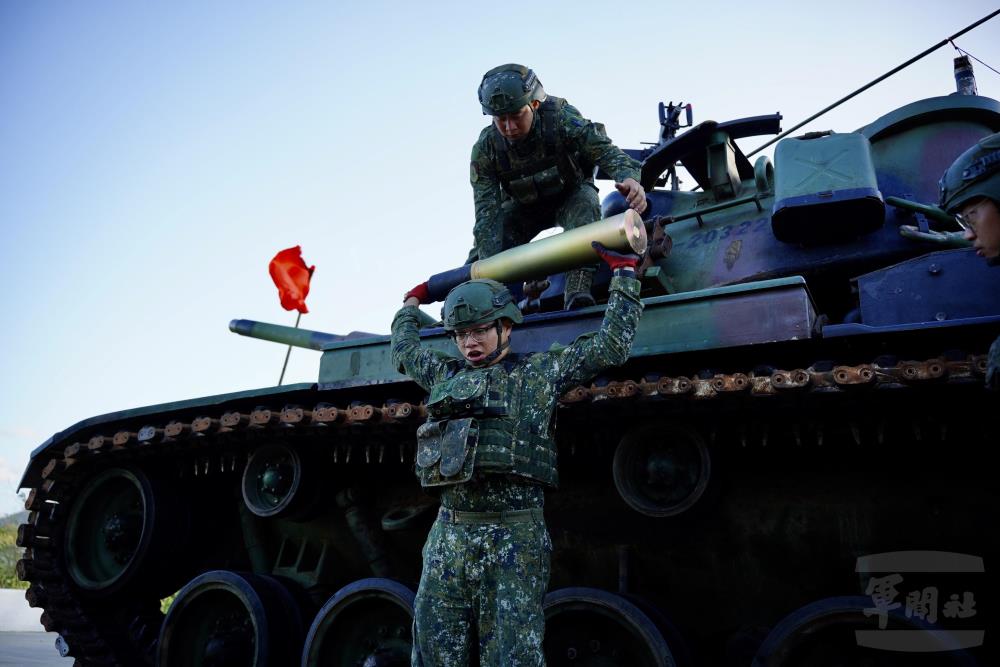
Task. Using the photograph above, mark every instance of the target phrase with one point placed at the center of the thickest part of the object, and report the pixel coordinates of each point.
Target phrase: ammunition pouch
(541, 185)
(462, 395)
(446, 451)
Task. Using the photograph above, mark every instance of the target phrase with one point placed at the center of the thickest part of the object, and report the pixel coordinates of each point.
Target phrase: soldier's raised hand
(633, 193)
(418, 295)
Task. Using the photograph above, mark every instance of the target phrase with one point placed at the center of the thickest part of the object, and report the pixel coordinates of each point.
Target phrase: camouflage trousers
(481, 591)
(517, 224)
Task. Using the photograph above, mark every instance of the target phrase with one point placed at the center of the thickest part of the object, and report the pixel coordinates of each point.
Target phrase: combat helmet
(476, 302)
(507, 88)
(975, 173)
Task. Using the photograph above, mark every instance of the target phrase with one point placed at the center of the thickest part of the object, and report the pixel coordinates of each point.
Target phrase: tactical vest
(549, 171)
(473, 427)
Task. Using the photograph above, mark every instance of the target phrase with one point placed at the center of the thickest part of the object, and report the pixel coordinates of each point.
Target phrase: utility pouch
(549, 182)
(523, 190)
(428, 444)
(446, 451)
(462, 395)
(460, 436)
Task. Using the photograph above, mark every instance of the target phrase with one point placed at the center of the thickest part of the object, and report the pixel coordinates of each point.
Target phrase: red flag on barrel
(291, 276)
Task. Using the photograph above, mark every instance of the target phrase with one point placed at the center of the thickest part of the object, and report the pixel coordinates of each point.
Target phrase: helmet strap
(501, 346)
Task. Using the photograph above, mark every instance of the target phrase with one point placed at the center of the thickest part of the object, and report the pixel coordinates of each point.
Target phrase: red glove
(421, 292)
(615, 260)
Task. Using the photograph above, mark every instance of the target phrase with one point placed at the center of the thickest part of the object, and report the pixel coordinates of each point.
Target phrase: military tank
(784, 472)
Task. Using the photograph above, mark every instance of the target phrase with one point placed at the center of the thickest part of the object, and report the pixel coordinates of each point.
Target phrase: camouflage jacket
(515, 433)
(584, 141)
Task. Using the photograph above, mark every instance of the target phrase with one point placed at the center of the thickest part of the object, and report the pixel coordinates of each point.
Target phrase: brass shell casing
(571, 249)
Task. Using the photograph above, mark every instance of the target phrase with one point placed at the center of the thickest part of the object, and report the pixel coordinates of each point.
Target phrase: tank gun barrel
(311, 340)
(624, 232)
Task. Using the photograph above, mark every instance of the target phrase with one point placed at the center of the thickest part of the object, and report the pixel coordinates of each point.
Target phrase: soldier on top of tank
(970, 189)
(533, 168)
(488, 450)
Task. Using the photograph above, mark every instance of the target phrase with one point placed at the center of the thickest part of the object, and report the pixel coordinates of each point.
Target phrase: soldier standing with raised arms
(970, 189)
(488, 450)
(533, 168)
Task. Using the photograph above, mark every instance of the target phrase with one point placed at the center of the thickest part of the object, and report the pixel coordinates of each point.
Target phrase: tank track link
(126, 633)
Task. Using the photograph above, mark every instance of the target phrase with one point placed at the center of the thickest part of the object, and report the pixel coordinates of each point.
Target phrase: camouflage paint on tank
(913, 145)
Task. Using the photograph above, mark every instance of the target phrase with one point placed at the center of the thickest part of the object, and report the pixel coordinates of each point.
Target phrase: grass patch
(10, 553)
(166, 602)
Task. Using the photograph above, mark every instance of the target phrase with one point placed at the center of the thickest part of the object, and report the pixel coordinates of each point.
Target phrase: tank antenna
(865, 87)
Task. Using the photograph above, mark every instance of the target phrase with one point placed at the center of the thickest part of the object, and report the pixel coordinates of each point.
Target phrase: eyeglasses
(965, 221)
(478, 335)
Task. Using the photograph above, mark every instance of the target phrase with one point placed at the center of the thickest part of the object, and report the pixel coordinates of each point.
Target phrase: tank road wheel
(661, 470)
(368, 622)
(120, 523)
(274, 483)
(822, 634)
(588, 627)
(231, 619)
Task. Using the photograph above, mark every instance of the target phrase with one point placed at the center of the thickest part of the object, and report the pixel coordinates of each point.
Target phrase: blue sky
(154, 157)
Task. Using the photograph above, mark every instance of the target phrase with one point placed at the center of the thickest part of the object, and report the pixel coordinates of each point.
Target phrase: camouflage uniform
(543, 180)
(488, 449)
(976, 173)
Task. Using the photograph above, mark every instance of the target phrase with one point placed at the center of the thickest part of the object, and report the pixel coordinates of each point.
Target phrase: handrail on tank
(933, 212)
(922, 232)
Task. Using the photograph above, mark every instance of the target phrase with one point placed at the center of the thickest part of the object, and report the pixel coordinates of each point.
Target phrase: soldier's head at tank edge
(511, 94)
(479, 315)
(970, 190)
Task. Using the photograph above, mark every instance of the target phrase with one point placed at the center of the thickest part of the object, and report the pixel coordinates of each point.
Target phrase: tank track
(97, 635)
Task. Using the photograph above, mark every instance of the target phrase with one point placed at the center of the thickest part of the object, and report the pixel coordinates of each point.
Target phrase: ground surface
(23, 641)
(30, 649)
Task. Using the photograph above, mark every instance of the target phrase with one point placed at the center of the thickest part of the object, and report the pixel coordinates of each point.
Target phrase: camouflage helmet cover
(507, 88)
(477, 302)
(975, 173)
